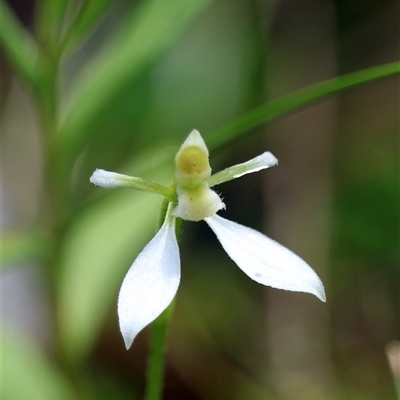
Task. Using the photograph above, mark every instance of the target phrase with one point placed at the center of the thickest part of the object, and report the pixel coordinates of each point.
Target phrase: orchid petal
(150, 284)
(110, 180)
(263, 161)
(264, 260)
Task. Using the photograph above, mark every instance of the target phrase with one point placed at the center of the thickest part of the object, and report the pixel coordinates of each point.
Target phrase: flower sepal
(151, 282)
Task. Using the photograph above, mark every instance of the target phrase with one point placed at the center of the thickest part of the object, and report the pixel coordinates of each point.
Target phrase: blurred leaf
(50, 22)
(89, 14)
(19, 247)
(28, 374)
(99, 250)
(296, 100)
(109, 78)
(18, 45)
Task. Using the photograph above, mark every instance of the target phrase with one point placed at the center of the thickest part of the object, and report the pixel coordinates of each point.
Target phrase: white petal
(150, 284)
(263, 161)
(265, 260)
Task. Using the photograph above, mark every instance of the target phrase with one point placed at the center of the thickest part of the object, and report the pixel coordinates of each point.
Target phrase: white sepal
(264, 260)
(150, 284)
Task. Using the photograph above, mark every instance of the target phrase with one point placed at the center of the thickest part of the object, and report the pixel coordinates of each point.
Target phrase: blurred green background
(118, 85)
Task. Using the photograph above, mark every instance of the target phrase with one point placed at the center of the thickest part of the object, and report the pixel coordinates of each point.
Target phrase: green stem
(55, 204)
(159, 328)
(158, 348)
(47, 95)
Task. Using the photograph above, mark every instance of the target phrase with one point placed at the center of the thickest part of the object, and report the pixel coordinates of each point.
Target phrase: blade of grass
(297, 100)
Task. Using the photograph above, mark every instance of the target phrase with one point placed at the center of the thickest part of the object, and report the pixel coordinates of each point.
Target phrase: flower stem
(159, 328)
(158, 347)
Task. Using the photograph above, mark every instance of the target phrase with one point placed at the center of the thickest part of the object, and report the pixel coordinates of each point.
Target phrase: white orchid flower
(153, 279)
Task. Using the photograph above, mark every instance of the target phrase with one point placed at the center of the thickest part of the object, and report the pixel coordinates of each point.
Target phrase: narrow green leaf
(112, 75)
(27, 374)
(18, 45)
(297, 100)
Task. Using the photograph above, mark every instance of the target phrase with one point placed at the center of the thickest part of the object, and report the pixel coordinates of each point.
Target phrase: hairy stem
(159, 328)
(158, 349)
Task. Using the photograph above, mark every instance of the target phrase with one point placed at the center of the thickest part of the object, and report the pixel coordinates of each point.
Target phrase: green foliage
(142, 39)
(85, 19)
(19, 46)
